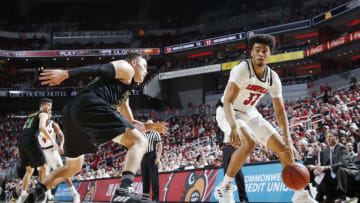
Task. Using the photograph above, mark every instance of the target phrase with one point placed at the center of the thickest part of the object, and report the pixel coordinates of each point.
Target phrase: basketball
(295, 176)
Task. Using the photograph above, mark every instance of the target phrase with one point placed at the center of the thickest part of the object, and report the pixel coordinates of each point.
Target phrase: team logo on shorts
(195, 186)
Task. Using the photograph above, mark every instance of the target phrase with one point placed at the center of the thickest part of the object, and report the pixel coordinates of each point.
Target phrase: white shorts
(53, 158)
(262, 130)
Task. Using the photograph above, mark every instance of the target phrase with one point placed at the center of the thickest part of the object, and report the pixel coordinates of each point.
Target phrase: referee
(149, 164)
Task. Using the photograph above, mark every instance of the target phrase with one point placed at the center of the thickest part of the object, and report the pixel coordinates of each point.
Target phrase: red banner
(186, 186)
(333, 43)
(337, 42)
(315, 50)
(78, 53)
(354, 35)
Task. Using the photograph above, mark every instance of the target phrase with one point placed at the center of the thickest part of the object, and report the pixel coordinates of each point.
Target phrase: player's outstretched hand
(159, 127)
(292, 150)
(53, 77)
(61, 150)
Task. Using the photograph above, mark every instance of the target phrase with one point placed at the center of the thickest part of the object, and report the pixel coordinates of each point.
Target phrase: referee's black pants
(239, 177)
(149, 172)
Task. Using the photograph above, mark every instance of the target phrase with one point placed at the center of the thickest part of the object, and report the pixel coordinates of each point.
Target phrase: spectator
(340, 171)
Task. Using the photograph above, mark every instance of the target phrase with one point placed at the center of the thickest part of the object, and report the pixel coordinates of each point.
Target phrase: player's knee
(29, 170)
(138, 138)
(250, 141)
(42, 169)
(250, 146)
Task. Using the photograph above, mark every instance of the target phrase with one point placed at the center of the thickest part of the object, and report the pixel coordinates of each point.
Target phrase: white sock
(73, 190)
(227, 180)
(23, 193)
(48, 192)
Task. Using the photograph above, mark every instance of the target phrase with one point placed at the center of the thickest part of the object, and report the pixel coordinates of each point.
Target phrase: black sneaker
(36, 195)
(126, 195)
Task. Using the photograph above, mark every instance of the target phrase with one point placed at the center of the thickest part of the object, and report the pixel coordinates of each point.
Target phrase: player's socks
(73, 190)
(227, 180)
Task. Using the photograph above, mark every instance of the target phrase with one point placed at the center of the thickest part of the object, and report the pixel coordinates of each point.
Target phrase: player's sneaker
(302, 196)
(76, 197)
(44, 200)
(22, 198)
(37, 194)
(127, 195)
(224, 194)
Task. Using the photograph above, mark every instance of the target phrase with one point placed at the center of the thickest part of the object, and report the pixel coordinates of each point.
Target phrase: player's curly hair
(262, 39)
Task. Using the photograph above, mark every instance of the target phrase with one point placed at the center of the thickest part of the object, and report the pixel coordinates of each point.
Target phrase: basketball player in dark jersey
(31, 154)
(89, 119)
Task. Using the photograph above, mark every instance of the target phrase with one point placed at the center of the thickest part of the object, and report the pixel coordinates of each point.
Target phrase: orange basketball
(295, 176)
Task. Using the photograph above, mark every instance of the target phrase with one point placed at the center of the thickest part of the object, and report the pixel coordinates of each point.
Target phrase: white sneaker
(22, 198)
(76, 197)
(224, 194)
(302, 196)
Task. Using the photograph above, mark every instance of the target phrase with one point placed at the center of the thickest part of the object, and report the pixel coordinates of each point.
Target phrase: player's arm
(230, 94)
(42, 127)
(125, 110)
(281, 118)
(283, 123)
(119, 69)
(60, 134)
(278, 103)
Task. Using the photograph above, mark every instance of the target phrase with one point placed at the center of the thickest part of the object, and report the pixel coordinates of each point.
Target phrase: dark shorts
(88, 122)
(30, 151)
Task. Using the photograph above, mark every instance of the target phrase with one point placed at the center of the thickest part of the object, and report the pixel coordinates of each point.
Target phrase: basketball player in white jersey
(52, 155)
(243, 125)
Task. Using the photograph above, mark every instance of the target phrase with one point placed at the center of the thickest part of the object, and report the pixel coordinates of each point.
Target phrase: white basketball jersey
(252, 88)
(44, 142)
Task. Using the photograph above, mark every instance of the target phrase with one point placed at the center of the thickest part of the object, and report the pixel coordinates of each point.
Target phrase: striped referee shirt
(152, 137)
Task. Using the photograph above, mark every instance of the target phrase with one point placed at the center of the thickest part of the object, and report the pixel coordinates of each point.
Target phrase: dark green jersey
(31, 126)
(111, 90)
